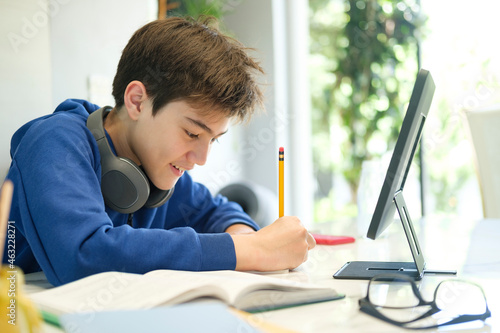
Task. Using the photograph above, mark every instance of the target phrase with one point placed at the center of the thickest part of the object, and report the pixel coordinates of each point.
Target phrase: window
(364, 56)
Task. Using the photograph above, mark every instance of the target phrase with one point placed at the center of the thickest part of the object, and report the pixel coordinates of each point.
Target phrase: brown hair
(191, 60)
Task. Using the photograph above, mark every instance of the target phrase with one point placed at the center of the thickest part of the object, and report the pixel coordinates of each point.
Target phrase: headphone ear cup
(124, 186)
(157, 197)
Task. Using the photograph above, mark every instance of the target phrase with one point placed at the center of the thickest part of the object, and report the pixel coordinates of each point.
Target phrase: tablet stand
(368, 269)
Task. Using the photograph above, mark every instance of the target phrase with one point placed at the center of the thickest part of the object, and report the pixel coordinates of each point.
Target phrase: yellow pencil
(5, 200)
(281, 181)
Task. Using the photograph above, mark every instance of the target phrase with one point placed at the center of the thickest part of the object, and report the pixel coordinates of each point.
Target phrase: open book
(125, 291)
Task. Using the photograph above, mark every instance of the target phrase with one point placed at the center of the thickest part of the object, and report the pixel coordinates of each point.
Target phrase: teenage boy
(106, 189)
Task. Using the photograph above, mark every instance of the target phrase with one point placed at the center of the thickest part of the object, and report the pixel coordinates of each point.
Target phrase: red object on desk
(332, 240)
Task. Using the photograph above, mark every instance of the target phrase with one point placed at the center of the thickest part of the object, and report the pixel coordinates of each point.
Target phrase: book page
(121, 291)
(240, 287)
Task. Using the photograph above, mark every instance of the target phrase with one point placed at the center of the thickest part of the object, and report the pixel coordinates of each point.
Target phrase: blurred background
(339, 74)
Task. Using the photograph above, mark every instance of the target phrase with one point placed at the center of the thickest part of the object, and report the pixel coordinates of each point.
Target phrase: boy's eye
(214, 140)
(191, 135)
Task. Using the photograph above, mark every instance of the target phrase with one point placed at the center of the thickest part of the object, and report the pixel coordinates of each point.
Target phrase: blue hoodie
(63, 227)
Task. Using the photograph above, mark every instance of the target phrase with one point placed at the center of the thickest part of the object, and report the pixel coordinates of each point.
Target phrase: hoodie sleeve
(56, 170)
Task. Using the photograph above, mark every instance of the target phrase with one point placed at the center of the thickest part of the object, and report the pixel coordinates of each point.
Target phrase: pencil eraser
(282, 149)
(332, 240)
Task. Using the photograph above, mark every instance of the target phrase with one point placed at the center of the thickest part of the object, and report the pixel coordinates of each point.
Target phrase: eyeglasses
(396, 299)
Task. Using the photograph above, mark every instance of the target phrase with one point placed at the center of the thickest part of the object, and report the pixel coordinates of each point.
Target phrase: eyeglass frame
(368, 307)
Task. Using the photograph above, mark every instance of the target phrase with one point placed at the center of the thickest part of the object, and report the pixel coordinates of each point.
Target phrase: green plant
(194, 8)
(364, 62)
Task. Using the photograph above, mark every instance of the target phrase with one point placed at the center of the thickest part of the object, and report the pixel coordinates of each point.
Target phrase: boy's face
(175, 140)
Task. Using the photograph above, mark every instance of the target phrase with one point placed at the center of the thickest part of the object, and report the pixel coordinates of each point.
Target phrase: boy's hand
(281, 245)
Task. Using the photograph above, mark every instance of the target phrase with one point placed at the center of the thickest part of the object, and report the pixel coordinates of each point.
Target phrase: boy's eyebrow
(204, 127)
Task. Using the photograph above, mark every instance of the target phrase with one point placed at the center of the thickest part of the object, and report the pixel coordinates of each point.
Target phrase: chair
(260, 203)
(484, 126)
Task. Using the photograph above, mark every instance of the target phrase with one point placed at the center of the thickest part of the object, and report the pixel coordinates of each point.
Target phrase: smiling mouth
(181, 169)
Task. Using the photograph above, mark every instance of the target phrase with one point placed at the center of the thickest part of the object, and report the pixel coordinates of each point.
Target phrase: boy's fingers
(311, 242)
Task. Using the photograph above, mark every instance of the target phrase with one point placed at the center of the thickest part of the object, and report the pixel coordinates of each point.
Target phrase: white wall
(87, 38)
(25, 76)
(299, 110)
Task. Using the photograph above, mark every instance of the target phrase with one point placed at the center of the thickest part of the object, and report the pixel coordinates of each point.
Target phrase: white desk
(473, 249)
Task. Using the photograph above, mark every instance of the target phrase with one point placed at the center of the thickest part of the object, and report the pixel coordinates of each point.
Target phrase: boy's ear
(134, 97)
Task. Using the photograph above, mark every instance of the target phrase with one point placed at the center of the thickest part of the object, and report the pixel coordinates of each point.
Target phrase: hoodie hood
(75, 106)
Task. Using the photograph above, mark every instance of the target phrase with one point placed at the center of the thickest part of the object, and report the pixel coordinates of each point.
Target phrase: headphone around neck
(124, 185)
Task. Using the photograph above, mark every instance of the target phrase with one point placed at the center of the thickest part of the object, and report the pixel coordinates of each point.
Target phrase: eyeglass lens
(392, 293)
(460, 298)
(396, 300)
